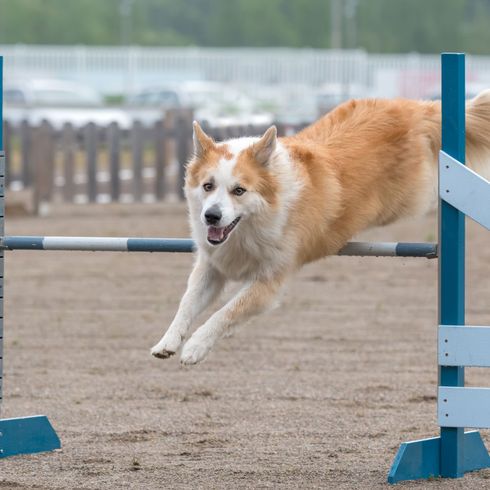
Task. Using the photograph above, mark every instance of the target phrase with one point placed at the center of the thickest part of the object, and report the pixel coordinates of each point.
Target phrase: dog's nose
(213, 215)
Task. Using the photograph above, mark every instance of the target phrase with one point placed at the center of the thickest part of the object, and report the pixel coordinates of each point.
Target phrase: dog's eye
(238, 191)
(208, 186)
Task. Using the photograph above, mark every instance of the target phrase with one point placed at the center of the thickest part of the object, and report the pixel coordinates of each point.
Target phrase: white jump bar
(122, 244)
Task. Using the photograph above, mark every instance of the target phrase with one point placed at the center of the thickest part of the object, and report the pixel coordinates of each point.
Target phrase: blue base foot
(417, 460)
(26, 435)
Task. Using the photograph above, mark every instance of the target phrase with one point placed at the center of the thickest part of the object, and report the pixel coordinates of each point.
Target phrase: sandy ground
(317, 394)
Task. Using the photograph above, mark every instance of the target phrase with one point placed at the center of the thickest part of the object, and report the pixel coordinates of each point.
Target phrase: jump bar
(116, 244)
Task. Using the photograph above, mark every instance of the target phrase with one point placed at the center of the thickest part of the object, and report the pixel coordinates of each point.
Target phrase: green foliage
(58, 21)
(426, 26)
(417, 25)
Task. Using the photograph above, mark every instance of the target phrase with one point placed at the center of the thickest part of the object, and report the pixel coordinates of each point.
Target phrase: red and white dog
(260, 208)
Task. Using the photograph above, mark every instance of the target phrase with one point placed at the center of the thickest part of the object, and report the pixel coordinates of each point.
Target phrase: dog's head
(230, 182)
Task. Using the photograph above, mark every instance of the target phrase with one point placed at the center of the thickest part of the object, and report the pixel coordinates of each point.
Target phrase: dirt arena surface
(316, 394)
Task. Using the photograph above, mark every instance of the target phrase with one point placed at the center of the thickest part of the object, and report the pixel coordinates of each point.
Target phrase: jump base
(421, 459)
(27, 435)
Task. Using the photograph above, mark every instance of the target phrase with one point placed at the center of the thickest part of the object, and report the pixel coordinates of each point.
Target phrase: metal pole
(2, 220)
(335, 24)
(351, 23)
(125, 8)
(452, 249)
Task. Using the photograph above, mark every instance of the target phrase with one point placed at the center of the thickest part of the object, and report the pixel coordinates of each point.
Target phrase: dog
(260, 208)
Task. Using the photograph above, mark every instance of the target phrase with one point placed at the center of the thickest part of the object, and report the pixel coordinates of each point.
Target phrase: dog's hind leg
(204, 285)
(252, 299)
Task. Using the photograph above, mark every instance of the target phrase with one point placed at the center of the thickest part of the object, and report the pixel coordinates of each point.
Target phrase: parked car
(58, 102)
(212, 103)
(54, 93)
(295, 104)
(331, 95)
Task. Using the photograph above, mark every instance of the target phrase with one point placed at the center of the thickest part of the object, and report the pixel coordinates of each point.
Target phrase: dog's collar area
(216, 235)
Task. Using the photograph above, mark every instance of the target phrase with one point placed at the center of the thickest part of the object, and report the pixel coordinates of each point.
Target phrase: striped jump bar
(116, 244)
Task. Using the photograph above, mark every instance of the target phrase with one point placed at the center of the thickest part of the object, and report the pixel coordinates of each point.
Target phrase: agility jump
(454, 452)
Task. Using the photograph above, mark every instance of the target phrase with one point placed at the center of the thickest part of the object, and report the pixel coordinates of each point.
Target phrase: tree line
(383, 26)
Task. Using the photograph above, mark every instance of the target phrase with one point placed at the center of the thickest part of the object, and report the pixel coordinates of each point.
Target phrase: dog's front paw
(195, 350)
(167, 346)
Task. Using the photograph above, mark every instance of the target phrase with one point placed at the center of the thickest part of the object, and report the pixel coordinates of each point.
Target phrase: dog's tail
(478, 134)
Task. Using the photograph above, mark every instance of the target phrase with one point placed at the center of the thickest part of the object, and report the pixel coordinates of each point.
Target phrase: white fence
(116, 70)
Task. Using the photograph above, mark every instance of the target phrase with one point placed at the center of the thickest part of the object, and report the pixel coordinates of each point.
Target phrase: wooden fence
(105, 164)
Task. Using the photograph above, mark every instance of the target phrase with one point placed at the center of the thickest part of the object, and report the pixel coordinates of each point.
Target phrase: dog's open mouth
(219, 235)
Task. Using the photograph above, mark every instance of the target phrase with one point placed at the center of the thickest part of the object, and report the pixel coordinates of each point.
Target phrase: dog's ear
(202, 142)
(263, 149)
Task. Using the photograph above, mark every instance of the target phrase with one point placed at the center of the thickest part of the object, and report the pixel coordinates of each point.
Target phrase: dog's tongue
(215, 234)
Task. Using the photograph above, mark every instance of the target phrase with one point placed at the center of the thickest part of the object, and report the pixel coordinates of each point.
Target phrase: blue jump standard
(23, 435)
(455, 452)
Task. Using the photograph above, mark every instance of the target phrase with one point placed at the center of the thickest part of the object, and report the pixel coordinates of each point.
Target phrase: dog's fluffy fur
(260, 208)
